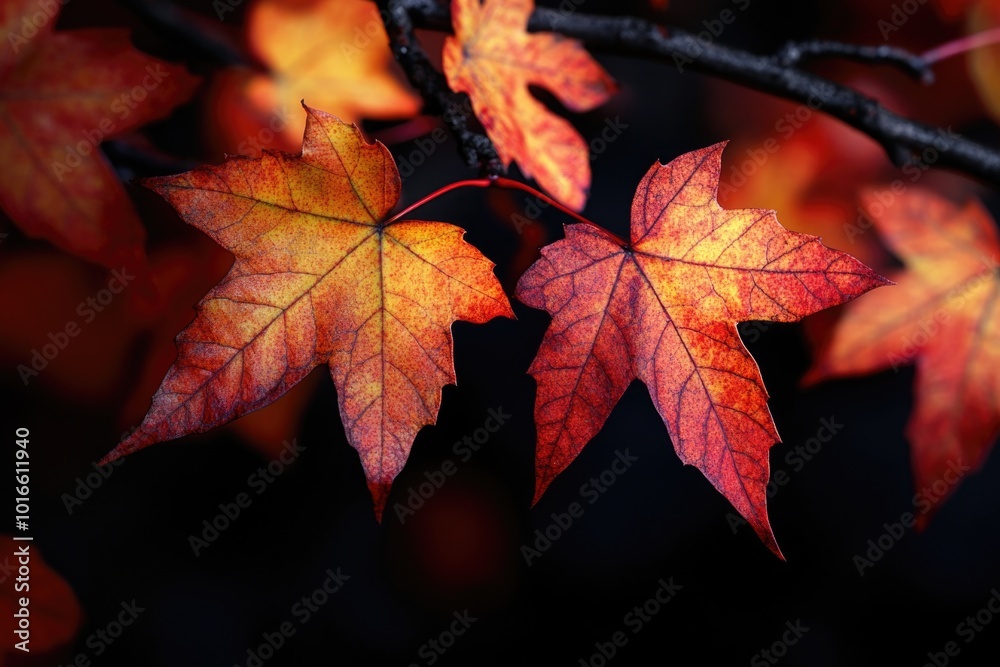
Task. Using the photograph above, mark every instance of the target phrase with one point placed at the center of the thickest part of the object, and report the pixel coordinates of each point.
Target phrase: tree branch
(902, 138)
(171, 22)
(795, 52)
(455, 109)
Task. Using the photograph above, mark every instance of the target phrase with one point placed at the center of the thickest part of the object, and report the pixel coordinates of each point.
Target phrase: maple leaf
(494, 60)
(944, 316)
(186, 272)
(811, 171)
(663, 309)
(334, 53)
(61, 95)
(320, 277)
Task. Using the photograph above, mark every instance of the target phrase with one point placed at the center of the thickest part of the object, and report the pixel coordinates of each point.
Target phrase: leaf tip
(108, 458)
(154, 183)
(380, 496)
(542, 482)
(766, 535)
(872, 278)
(117, 453)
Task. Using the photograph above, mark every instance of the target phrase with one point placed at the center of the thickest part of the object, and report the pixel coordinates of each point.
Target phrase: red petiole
(509, 184)
(961, 45)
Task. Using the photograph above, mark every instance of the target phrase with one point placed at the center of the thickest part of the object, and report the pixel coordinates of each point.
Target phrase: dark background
(461, 550)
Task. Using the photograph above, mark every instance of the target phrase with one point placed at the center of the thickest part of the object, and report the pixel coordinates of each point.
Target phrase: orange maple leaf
(944, 316)
(61, 95)
(663, 309)
(494, 60)
(320, 277)
(332, 53)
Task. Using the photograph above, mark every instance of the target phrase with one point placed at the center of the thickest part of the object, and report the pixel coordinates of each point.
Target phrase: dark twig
(142, 160)
(455, 109)
(795, 52)
(171, 22)
(903, 139)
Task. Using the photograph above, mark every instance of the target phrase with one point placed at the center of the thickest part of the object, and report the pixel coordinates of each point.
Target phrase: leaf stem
(961, 45)
(468, 183)
(511, 184)
(508, 184)
(455, 109)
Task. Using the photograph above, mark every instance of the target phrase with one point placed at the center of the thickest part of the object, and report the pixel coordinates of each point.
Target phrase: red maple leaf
(944, 315)
(663, 308)
(61, 95)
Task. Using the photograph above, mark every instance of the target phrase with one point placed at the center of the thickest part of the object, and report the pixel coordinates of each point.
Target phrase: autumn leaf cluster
(327, 273)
